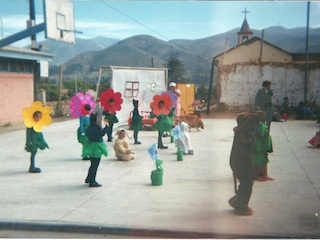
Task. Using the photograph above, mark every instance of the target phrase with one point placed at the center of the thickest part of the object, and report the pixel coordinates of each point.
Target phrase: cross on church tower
(245, 32)
(245, 12)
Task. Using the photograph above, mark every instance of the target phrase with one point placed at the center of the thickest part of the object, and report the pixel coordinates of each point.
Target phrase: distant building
(243, 68)
(19, 71)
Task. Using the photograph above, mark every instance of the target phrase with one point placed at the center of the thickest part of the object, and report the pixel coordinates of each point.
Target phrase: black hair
(93, 118)
(87, 107)
(266, 83)
(135, 102)
(37, 113)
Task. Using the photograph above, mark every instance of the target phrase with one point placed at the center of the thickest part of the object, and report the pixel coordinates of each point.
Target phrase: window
(4, 65)
(14, 65)
(132, 89)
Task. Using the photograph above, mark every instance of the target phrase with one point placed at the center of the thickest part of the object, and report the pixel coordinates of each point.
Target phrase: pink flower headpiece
(78, 103)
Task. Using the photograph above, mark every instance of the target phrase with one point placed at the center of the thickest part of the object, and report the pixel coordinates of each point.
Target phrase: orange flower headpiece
(28, 113)
(161, 104)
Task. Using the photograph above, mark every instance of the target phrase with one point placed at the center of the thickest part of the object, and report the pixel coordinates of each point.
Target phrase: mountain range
(87, 55)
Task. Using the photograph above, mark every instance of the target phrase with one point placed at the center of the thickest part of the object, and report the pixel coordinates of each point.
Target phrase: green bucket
(180, 155)
(156, 177)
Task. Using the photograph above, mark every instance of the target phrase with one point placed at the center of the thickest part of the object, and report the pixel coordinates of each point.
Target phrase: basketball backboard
(59, 19)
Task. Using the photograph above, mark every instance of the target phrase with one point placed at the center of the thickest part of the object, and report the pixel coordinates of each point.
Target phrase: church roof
(245, 27)
(249, 42)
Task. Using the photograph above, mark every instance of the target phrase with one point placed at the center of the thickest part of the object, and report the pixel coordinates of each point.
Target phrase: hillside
(63, 52)
(196, 55)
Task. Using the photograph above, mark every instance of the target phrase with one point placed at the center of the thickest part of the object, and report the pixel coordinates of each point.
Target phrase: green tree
(51, 89)
(176, 70)
(82, 86)
(202, 93)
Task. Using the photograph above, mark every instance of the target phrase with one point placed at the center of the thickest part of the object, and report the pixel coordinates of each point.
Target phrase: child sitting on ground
(184, 142)
(121, 147)
(315, 141)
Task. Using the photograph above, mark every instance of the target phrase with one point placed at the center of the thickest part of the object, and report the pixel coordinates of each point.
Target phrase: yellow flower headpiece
(28, 112)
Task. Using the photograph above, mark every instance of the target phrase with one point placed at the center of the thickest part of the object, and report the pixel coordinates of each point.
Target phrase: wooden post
(98, 83)
(210, 88)
(59, 91)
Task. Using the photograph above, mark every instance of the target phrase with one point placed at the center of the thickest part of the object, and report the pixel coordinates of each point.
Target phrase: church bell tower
(245, 32)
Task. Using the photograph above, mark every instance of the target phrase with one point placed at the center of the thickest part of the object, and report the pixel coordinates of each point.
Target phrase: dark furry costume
(241, 159)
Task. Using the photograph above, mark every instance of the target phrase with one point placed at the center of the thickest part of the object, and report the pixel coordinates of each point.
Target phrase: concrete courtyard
(191, 203)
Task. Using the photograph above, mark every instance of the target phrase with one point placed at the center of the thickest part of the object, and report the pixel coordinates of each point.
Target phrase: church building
(243, 68)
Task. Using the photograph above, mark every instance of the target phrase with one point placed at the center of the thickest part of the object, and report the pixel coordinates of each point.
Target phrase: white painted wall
(238, 84)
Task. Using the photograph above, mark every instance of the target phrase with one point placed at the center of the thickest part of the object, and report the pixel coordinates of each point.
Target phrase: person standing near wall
(176, 92)
(264, 103)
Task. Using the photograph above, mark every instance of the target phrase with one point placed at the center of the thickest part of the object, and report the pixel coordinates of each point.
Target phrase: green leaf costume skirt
(95, 149)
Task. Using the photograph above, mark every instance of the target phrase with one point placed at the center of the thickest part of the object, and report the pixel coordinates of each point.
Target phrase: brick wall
(16, 93)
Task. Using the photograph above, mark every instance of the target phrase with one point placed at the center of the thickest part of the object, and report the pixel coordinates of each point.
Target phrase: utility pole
(307, 55)
(32, 23)
(59, 91)
(75, 82)
(210, 87)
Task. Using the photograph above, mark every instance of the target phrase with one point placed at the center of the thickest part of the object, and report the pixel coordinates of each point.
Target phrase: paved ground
(191, 203)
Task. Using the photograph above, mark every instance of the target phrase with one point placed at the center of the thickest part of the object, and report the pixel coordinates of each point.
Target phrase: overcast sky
(165, 20)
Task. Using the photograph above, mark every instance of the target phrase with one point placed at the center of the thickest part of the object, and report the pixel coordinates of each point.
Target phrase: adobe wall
(238, 84)
(16, 93)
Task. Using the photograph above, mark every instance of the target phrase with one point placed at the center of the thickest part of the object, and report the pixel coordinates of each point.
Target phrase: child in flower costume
(95, 148)
(84, 124)
(111, 102)
(81, 106)
(264, 145)
(161, 109)
(34, 118)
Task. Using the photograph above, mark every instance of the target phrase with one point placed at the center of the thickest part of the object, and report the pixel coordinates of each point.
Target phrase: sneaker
(163, 147)
(244, 212)
(137, 142)
(95, 184)
(190, 152)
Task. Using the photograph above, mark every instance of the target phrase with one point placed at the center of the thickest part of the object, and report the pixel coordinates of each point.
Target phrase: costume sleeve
(258, 100)
(177, 92)
(81, 124)
(104, 130)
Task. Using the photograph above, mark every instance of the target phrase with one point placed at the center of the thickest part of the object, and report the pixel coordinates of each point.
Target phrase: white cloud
(104, 25)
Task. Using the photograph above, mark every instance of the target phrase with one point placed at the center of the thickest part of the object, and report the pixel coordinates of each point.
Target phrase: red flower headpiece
(161, 104)
(111, 101)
